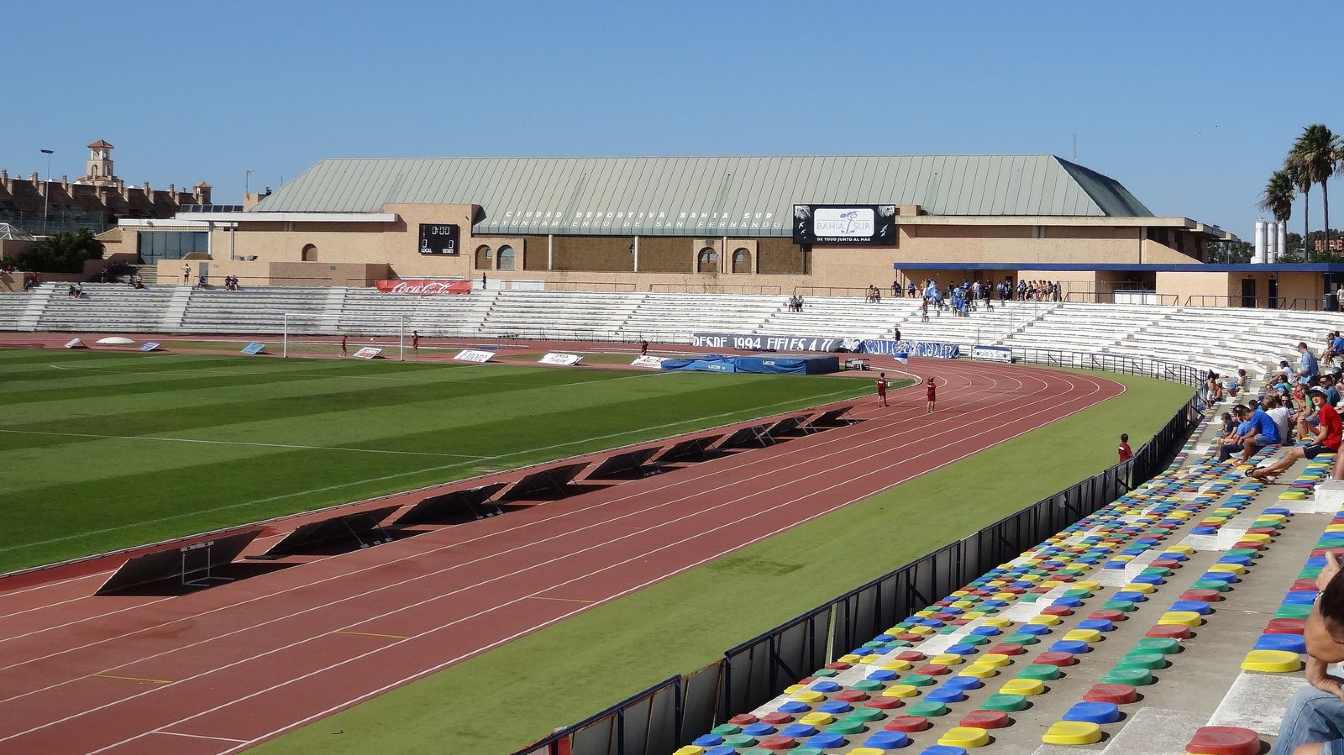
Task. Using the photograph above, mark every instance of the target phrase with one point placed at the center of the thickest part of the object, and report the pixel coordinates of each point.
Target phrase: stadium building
(812, 225)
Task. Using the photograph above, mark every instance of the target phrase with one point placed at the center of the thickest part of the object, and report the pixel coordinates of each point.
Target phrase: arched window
(309, 253)
(707, 261)
(505, 259)
(482, 258)
(741, 261)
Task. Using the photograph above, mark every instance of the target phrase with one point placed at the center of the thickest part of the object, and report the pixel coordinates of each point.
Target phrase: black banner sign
(758, 342)
(438, 238)
(844, 224)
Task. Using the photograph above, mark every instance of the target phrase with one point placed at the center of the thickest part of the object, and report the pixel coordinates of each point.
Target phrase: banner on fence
(560, 359)
(765, 342)
(254, 348)
(423, 286)
(369, 352)
(648, 362)
(992, 353)
(149, 346)
(934, 349)
(478, 356)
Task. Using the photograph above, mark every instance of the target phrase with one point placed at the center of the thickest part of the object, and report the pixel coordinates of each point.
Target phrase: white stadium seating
(1222, 339)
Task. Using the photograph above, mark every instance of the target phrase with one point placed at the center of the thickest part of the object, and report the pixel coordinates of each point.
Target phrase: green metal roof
(701, 195)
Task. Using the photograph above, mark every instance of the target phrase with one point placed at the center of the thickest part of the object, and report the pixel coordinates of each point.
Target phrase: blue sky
(1190, 105)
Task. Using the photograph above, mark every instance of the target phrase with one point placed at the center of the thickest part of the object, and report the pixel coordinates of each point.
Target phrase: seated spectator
(1326, 440)
(1307, 366)
(1263, 433)
(1213, 389)
(1281, 415)
(1234, 439)
(910, 289)
(1314, 721)
(1243, 381)
(1229, 423)
(1285, 372)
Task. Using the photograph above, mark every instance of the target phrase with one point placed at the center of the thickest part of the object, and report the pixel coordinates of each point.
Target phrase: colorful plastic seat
(1072, 733)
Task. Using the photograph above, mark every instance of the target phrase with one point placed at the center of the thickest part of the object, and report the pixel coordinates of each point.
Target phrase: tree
(1278, 197)
(1299, 179)
(61, 253)
(1316, 154)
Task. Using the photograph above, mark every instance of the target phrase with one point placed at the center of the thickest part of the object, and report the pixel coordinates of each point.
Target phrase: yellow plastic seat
(1228, 568)
(901, 690)
(895, 665)
(1271, 661)
(808, 696)
(1087, 584)
(1256, 537)
(920, 630)
(998, 622)
(947, 659)
(1072, 733)
(1022, 687)
(1292, 495)
(994, 660)
(1083, 635)
(848, 658)
(1045, 620)
(1005, 596)
(867, 751)
(1334, 528)
(689, 750)
(792, 688)
(870, 659)
(816, 718)
(1181, 618)
(964, 736)
(1142, 587)
(978, 671)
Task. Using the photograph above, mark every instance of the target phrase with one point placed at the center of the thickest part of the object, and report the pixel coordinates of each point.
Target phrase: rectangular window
(170, 245)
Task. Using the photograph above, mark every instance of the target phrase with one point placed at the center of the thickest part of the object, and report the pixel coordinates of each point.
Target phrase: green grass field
(576, 667)
(105, 450)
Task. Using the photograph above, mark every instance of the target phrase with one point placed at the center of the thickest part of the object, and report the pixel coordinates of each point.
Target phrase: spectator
(1285, 371)
(1326, 440)
(1243, 381)
(1229, 423)
(1331, 387)
(1263, 433)
(1124, 450)
(186, 274)
(1336, 349)
(1307, 366)
(1281, 415)
(910, 289)
(1315, 713)
(1237, 438)
(895, 289)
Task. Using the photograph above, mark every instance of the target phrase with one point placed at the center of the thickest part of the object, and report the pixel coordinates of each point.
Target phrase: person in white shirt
(1279, 413)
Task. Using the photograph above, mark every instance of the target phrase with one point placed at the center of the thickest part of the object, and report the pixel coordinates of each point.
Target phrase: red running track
(221, 669)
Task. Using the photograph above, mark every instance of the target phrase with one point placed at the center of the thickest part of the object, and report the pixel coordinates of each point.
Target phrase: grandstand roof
(709, 195)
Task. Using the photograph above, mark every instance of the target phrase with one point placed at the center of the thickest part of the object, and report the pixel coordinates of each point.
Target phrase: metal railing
(713, 288)
(754, 672)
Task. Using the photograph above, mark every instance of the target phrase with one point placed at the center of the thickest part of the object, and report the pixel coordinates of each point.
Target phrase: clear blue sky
(1190, 105)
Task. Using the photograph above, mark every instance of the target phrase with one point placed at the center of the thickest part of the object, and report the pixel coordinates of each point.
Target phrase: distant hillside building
(94, 201)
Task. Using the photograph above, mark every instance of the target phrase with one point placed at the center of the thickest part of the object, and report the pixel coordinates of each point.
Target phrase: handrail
(753, 672)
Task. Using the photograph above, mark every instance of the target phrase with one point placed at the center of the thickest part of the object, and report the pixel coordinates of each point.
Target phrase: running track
(221, 669)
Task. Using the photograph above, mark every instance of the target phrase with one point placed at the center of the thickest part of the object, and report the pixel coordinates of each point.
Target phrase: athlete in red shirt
(882, 388)
(1326, 441)
(933, 396)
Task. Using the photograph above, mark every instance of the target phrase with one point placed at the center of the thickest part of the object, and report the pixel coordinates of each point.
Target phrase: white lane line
(879, 454)
(819, 398)
(98, 436)
(539, 625)
(199, 736)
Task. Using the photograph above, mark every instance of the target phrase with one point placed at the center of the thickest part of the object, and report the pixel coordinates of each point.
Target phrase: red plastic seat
(1006, 649)
(883, 703)
(1285, 626)
(986, 719)
(1208, 596)
(1223, 740)
(1109, 614)
(776, 718)
(907, 723)
(1056, 659)
(1118, 694)
(778, 743)
(1169, 631)
(910, 655)
(850, 695)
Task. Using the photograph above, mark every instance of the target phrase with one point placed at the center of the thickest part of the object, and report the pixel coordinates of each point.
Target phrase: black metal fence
(673, 712)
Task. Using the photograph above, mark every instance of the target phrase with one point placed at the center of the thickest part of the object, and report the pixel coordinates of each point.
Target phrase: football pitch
(109, 450)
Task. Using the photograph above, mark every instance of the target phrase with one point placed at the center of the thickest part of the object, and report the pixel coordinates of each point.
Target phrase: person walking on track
(415, 341)
(933, 396)
(344, 352)
(882, 388)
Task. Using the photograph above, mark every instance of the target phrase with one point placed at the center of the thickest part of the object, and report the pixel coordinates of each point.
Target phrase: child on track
(882, 388)
(1124, 451)
(933, 396)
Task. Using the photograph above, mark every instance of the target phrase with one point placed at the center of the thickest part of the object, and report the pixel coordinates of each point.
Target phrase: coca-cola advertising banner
(423, 287)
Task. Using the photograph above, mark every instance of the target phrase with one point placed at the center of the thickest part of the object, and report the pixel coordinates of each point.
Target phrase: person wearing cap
(1325, 441)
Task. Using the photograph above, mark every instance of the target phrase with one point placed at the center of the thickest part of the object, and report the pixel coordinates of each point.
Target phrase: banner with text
(474, 355)
(844, 224)
(560, 359)
(992, 353)
(423, 286)
(934, 349)
(762, 342)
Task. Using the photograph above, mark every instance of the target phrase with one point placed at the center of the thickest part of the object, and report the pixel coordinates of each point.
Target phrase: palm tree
(1316, 154)
(1299, 179)
(1278, 197)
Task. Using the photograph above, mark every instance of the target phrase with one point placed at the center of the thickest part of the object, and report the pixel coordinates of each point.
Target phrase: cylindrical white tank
(1260, 238)
(1283, 239)
(1271, 242)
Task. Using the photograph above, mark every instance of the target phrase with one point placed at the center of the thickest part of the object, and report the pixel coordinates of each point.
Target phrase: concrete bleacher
(1219, 339)
(1162, 624)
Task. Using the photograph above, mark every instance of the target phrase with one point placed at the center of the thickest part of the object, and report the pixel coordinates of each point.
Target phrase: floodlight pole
(401, 338)
(46, 190)
(284, 349)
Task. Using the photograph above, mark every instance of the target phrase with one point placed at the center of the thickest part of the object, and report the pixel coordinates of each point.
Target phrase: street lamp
(247, 181)
(46, 189)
